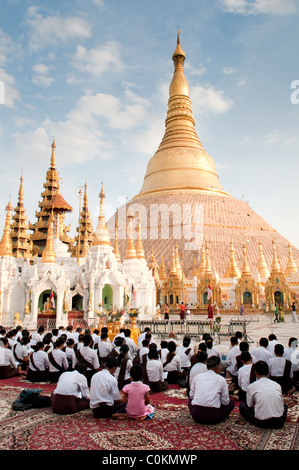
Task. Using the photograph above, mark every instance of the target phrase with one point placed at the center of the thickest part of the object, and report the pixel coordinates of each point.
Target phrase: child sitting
(136, 396)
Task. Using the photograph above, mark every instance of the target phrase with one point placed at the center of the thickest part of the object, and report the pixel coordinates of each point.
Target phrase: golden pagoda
(208, 279)
(84, 237)
(6, 244)
(181, 173)
(115, 246)
(101, 234)
(261, 264)
(48, 255)
(246, 291)
(139, 246)
(20, 237)
(172, 290)
(291, 267)
(232, 269)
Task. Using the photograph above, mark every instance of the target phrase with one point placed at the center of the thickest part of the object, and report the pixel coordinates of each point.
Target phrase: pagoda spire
(21, 243)
(139, 246)
(232, 269)
(208, 268)
(48, 255)
(85, 228)
(173, 270)
(261, 264)
(6, 244)
(202, 264)
(130, 251)
(101, 234)
(275, 267)
(116, 247)
(180, 161)
(245, 267)
(162, 271)
(291, 265)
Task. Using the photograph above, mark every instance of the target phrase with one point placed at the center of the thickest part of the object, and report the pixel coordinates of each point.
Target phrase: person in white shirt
(280, 370)
(124, 364)
(38, 369)
(143, 351)
(70, 354)
(272, 342)
(20, 353)
(211, 350)
(172, 365)
(58, 361)
(155, 373)
(185, 353)
(104, 349)
(77, 333)
(96, 338)
(71, 393)
(105, 398)
(209, 401)
(130, 342)
(261, 352)
(89, 357)
(233, 352)
(264, 405)
(37, 336)
(246, 375)
(8, 366)
(197, 368)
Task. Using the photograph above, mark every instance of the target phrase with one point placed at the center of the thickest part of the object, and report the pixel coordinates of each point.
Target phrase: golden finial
(232, 269)
(116, 247)
(6, 244)
(130, 252)
(48, 255)
(162, 271)
(101, 234)
(291, 265)
(245, 267)
(275, 268)
(139, 246)
(261, 264)
(53, 161)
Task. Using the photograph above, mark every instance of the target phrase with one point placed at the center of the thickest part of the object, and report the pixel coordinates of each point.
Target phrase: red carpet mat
(171, 429)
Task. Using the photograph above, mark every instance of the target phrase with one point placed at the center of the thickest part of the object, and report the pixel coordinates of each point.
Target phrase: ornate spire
(261, 263)
(48, 255)
(21, 243)
(180, 162)
(53, 160)
(275, 267)
(101, 234)
(203, 262)
(130, 252)
(116, 247)
(177, 261)
(245, 267)
(139, 246)
(208, 268)
(232, 269)
(162, 270)
(6, 244)
(85, 228)
(291, 265)
(173, 271)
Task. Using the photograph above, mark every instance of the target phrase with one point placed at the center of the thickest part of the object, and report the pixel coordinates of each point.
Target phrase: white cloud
(97, 60)
(42, 76)
(209, 100)
(254, 7)
(54, 30)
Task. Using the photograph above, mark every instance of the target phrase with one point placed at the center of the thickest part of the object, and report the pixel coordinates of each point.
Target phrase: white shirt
(35, 338)
(72, 383)
(59, 357)
(71, 356)
(266, 395)
(185, 358)
(154, 370)
(198, 368)
(91, 356)
(276, 366)
(41, 360)
(214, 352)
(103, 389)
(132, 346)
(209, 389)
(174, 364)
(261, 354)
(104, 348)
(231, 359)
(143, 351)
(127, 371)
(244, 377)
(19, 351)
(6, 358)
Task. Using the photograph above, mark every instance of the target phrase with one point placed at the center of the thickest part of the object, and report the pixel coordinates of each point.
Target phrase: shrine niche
(173, 287)
(45, 306)
(107, 297)
(246, 290)
(202, 292)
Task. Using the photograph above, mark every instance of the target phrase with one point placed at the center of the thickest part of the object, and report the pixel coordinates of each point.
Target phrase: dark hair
(244, 346)
(152, 346)
(202, 347)
(136, 372)
(186, 341)
(39, 345)
(81, 367)
(96, 332)
(245, 356)
(209, 341)
(119, 341)
(70, 342)
(145, 343)
(293, 340)
(264, 342)
(212, 362)
(87, 340)
(272, 336)
(163, 344)
(239, 334)
(127, 332)
(59, 342)
(171, 346)
(4, 341)
(104, 329)
(104, 335)
(234, 340)
(261, 368)
(153, 354)
(110, 362)
(202, 356)
(69, 328)
(279, 349)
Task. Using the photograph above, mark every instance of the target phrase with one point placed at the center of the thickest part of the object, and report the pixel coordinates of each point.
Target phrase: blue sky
(95, 74)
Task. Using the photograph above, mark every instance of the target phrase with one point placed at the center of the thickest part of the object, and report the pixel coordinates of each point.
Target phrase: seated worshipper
(234, 351)
(71, 393)
(89, 357)
(200, 347)
(38, 369)
(155, 374)
(172, 365)
(141, 355)
(211, 350)
(78, 345)
(280, 370)
(141, 337)
(198, 367)
(272, 342)
(37, 336)
(105, 398)
(116, 347)
(96, 337)
(243, 346)
(58, 361)
(172, 337)
(264, 406)
(10, 335)
(49, 346)
(163, 350)
(261, 352)
(77, 333)
(246, 375)
(120, 334)
(124, 364)
(8, 367)
(130, 342)
(20, 353)
(69, 332)
(136, 397)
(291, 355)
(185, 353)
(104, 349)
(209, 401)
(70, 353)
(54, 334)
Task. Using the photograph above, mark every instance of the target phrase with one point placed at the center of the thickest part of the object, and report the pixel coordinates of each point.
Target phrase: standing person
(166, 312)
(209, 401)
(242, 309)
(182, 311)
(136, 396)
(71, 393)
(294, 316)
(210, 311)
(276, 319)
(264, 405)
(105, 398)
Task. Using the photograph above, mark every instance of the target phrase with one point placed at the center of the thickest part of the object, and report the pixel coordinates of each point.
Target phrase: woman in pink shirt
(136, 396)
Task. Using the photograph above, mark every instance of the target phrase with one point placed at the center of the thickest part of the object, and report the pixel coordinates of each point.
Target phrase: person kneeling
(209, 401)
(72, 393)
(264, 407)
